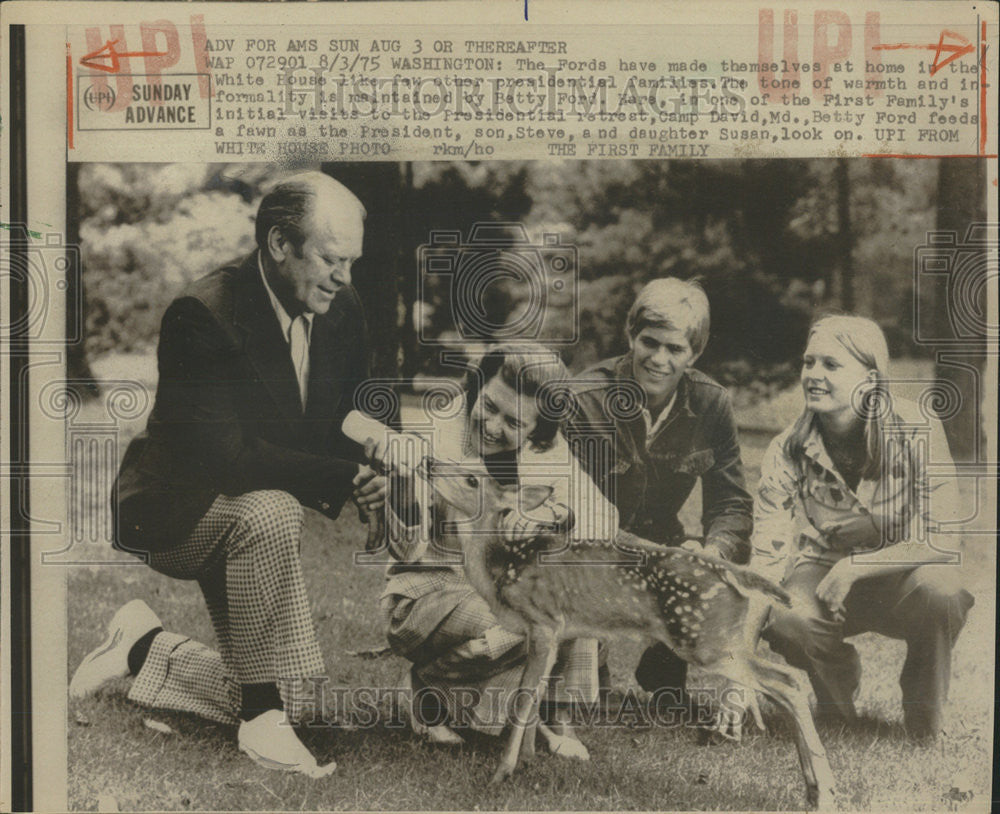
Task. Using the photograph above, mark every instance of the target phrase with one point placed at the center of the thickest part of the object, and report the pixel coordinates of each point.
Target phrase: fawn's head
(475, 496)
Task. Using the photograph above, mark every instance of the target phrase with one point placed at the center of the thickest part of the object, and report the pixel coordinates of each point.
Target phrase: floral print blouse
(804, 510)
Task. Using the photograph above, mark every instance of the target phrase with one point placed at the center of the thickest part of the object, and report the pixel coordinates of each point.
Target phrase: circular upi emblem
(99, 97)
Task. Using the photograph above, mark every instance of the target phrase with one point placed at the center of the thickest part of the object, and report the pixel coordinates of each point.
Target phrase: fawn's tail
(743, 580)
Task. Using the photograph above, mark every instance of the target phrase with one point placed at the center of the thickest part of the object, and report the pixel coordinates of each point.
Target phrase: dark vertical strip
(20, 538)
(961, 206)
(378, 185)
(845, 235)
(80, 376)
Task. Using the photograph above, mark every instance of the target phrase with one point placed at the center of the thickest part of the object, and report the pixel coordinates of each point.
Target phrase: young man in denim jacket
(648, 426)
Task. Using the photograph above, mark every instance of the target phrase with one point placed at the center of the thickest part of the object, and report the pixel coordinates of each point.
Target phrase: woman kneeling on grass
(843, 519)
(465, 666)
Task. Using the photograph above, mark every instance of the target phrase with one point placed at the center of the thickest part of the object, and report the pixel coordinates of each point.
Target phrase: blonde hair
(865, 341)
(674, 304)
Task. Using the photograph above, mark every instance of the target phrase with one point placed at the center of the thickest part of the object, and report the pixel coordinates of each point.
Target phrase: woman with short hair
(465, 664)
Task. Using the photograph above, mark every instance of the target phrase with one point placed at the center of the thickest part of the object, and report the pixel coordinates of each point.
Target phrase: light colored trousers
(925, 606)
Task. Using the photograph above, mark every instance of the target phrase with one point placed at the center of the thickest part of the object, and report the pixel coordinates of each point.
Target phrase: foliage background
(766, 237)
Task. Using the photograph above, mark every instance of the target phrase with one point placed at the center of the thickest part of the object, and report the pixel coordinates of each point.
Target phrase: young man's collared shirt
(649, 483)
(653, 427)
(794, 501)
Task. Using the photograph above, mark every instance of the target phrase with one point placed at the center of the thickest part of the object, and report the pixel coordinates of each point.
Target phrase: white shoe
(442, 735)
(563, 743)
(437, 734)
(273, 744)
(110, 660)
(568, 747)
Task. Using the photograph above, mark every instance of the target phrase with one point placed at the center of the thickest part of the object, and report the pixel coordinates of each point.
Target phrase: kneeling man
(257, 367)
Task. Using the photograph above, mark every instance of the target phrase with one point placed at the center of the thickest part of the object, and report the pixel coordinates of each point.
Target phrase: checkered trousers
(459, 650)
(244, 553)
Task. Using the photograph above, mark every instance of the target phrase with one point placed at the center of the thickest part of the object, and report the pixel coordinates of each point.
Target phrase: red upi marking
(982, 90)
(69, 97)
(957, 51)
(107, 52)
(938, 48)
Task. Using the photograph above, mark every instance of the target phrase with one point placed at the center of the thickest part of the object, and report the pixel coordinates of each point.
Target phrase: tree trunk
(408, 279)
(78, 373)
(845, 237)
(379, 186)
(961, 358)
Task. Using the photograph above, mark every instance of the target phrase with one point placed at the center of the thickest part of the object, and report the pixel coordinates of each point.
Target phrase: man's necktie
(299, 343)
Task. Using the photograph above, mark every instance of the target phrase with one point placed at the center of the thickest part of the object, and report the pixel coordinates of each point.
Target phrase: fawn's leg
(542, 648)
(784, 685)
(527, 750)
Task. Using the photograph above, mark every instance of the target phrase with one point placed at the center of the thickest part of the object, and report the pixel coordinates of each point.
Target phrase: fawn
(550, 592)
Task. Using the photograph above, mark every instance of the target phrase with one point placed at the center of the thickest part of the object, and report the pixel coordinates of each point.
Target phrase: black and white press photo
(651, 471)
(549, 405)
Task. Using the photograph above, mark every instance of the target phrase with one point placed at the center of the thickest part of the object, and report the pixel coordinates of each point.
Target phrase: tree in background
(377, 274)
(454, 197)
(774, 242)
(961, 203)
(146, 230)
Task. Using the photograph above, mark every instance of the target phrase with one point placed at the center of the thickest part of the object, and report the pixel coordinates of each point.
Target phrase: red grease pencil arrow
(956, 50)
(107, 52)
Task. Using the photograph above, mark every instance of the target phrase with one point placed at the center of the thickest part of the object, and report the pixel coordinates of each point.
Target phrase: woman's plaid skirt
(436, 620)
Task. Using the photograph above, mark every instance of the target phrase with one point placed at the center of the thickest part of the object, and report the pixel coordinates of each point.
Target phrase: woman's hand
(860, 532)
(834, 587)
(397, 451)
(385, 449)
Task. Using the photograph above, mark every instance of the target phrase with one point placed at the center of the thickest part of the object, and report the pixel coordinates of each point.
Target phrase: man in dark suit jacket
(258, 363)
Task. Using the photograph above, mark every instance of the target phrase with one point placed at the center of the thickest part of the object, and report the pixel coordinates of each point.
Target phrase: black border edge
(20, 537)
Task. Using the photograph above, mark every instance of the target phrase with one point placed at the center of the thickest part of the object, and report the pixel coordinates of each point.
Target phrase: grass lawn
(113, 753)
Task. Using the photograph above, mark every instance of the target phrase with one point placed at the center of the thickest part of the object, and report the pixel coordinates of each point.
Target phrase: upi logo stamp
(97, 98)
(159, 101)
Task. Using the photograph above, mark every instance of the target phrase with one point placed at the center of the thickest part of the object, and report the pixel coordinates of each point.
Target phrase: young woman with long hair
(846, 518)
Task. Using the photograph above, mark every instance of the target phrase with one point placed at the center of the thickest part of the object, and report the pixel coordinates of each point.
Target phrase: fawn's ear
(532, 496)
